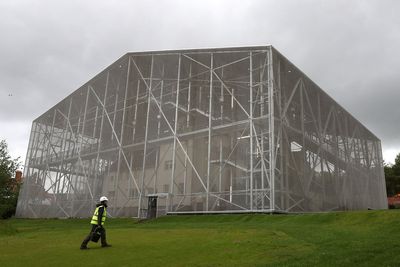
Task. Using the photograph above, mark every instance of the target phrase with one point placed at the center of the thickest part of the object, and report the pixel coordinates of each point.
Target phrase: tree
(9, 187)
(396, 166)
(392, 177)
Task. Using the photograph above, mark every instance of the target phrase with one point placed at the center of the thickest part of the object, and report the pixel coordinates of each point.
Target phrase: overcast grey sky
(350, 48)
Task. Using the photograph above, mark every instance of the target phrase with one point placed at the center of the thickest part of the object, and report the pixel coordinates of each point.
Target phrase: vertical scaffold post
(262, 133)
(121, 139)
(103, 111)
(271, 129)
(145, 136)
(171, 188)
(251, 127)
(209, 131)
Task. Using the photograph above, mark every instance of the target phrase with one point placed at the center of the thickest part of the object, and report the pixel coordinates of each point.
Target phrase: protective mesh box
(200, 131)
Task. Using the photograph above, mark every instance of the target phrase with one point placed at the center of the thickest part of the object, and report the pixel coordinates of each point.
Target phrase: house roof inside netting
(200, 131)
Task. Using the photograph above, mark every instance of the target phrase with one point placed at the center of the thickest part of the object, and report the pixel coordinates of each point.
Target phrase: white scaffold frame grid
(204, 131)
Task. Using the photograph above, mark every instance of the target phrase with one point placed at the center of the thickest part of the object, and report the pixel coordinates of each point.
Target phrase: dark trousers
(89, 237)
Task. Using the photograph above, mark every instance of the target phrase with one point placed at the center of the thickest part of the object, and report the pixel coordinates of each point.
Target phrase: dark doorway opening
(152, 207)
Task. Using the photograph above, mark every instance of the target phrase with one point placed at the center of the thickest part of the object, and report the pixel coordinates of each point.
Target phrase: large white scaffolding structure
(203, 131)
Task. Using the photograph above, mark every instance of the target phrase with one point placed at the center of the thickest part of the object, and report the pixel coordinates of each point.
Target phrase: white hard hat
(103, 198)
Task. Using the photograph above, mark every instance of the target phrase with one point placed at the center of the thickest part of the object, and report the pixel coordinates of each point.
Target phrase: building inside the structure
(200, 131)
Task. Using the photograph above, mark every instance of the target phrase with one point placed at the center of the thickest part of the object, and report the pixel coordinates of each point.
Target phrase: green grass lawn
(368, 238)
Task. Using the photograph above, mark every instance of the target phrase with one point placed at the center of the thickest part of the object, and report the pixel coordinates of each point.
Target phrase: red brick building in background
(17, 180)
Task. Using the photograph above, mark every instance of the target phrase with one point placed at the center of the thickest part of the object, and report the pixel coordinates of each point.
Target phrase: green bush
(7, 210)
(9, 187)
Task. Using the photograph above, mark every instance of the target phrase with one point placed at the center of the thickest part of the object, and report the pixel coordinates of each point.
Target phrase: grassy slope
(369, 238)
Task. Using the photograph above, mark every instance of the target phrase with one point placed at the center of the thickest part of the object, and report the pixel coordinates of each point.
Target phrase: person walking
(98, 219)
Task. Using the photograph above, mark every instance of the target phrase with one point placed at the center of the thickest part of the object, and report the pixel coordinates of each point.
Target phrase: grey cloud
(350, 48)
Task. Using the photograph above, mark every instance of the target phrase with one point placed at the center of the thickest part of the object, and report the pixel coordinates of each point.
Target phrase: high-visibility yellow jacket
(100, 214)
